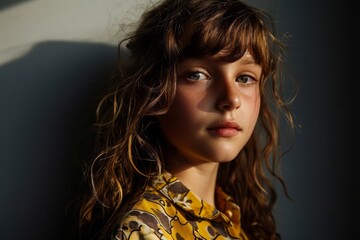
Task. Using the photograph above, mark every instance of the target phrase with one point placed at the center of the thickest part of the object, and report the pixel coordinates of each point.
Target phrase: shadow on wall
(10, 3)
(47, 103)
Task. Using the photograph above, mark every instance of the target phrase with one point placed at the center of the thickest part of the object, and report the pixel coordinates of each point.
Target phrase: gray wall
(53, 57)
(321, 170)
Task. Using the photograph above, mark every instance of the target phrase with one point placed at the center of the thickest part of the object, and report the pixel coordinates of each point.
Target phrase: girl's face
(215, 110)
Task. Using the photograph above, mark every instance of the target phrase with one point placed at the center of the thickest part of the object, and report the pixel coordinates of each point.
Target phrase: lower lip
(225, 132)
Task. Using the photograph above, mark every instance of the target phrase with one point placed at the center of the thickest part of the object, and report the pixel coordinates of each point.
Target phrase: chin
(224, 159)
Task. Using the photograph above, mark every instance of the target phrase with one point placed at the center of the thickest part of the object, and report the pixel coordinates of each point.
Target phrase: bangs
(232, 32)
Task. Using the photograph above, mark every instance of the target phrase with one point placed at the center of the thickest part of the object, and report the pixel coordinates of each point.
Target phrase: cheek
(181, 116)
(187, 105)
(257, 103)
(184, 104)
(253, 108)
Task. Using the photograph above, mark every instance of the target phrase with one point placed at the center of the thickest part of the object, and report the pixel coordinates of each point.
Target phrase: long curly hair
(130, 145)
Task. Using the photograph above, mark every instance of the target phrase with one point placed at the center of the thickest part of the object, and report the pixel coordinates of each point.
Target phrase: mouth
(225, 129)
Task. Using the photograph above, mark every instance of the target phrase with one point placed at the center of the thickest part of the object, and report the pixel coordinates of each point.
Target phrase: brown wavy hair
(130, 145)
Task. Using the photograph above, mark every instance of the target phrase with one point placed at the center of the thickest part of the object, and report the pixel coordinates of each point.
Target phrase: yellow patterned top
(169, 210)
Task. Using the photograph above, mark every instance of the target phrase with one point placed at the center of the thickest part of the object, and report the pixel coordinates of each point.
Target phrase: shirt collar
(181, 196)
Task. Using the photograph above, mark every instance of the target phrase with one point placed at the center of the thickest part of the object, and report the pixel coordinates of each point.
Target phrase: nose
(229, 97)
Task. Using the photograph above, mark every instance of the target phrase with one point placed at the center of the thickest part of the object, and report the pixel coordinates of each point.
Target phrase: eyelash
(252, 79)
(190, 75)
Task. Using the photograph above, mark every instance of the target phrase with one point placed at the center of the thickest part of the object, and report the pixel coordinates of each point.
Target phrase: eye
(246, 79)
(196, 76)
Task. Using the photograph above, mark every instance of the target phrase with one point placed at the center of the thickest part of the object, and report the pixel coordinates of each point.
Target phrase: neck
(200, 179)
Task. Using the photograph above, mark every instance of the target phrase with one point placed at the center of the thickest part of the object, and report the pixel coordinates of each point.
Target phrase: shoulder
(138, 225)
(149, 218)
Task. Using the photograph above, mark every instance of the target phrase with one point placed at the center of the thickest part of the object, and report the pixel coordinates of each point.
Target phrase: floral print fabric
(168, 210)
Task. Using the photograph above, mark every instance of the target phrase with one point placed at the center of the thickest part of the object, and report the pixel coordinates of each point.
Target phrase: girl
(188, 129)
